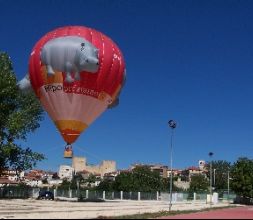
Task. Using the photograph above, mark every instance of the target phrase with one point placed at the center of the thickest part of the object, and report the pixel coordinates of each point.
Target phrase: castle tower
(79, 163)
(107, 166)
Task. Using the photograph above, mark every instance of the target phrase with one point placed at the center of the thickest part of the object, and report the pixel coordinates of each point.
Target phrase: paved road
(231, 213)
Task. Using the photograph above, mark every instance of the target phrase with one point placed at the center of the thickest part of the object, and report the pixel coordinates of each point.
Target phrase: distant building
(13, 175)
(55, 182)
(175, 172)
(5, 181)
(79, 164)
(33, 181)
(66, 172)
(182, 184)
(202, 164)
(110, 176)
(161, 169)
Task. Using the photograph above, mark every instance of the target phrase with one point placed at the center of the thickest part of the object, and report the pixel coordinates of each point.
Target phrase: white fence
(91, 194)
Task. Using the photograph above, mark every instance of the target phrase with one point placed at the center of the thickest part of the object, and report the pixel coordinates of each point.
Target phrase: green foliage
(65, 184)
(124, 182)
(106, 185)
(198, 184)
(91, 179)
(141, 179)
(77, 182)
(20, 114)
(44, 181)
(221, 173)
(242, 177)
(163, 213)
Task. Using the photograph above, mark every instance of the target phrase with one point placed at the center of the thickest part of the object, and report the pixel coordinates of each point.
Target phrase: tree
(220, 175)
(105, 185)
(123, 182)
(45, 181)
(66, 184)
(242, 177)
(146, 180)
(19, 115)
(140, 179)
(91, 179)
(198, 183)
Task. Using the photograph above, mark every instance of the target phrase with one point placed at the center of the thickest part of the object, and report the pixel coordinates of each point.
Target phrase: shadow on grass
(90, 200)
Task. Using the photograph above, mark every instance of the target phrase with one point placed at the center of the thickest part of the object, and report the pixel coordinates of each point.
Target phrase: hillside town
(105, 170)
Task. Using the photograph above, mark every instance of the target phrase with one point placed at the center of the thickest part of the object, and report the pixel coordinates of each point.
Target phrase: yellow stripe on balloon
(77, 126)
(70, 129)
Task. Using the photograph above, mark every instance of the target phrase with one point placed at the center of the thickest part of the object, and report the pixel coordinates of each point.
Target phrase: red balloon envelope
(76, 72)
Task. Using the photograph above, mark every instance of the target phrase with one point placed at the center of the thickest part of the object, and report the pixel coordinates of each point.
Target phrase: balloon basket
(68, 152)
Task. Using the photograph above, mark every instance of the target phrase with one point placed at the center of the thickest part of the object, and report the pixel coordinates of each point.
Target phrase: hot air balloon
(77, 73)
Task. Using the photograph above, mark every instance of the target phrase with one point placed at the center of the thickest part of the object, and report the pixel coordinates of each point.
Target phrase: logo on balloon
(52, 88)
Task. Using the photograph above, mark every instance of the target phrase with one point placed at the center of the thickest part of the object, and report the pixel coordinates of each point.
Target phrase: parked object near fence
(47, 195)
(243, 200)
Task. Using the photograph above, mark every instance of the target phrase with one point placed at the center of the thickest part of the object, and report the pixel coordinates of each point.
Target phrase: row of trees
(140, 179)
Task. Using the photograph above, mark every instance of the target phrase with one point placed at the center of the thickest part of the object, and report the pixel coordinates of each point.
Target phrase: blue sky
(191, 61)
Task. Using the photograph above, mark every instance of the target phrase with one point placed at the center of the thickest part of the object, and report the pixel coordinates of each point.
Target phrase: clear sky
(191, 61)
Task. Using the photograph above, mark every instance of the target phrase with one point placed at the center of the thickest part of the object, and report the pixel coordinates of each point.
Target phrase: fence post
(55, 193)
(112, 195)
(194, 197)
(157, 195)
(104, 195)
(70, 193)
(33, 193)
(121, 195)
(87, 194)
(139, 196)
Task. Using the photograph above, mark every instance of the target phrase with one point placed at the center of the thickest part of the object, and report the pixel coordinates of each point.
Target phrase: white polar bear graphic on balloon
(70, 54)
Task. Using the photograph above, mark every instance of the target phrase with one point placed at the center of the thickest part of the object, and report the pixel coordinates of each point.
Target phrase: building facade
(106, 166)
(66, 172)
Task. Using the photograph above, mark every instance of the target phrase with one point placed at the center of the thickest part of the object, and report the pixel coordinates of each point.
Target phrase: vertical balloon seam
(107, 76)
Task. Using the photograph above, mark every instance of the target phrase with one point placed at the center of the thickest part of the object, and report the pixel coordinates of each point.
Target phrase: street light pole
(214, 170)
(228, 185)
(172, 125)
(211, 179)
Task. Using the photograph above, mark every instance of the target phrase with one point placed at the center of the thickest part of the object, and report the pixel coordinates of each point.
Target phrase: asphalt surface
(245, 212)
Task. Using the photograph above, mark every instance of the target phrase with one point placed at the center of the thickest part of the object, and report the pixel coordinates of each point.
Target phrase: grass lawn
(160, 214)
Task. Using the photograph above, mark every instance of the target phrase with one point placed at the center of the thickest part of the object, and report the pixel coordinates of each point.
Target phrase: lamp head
(172, 124)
